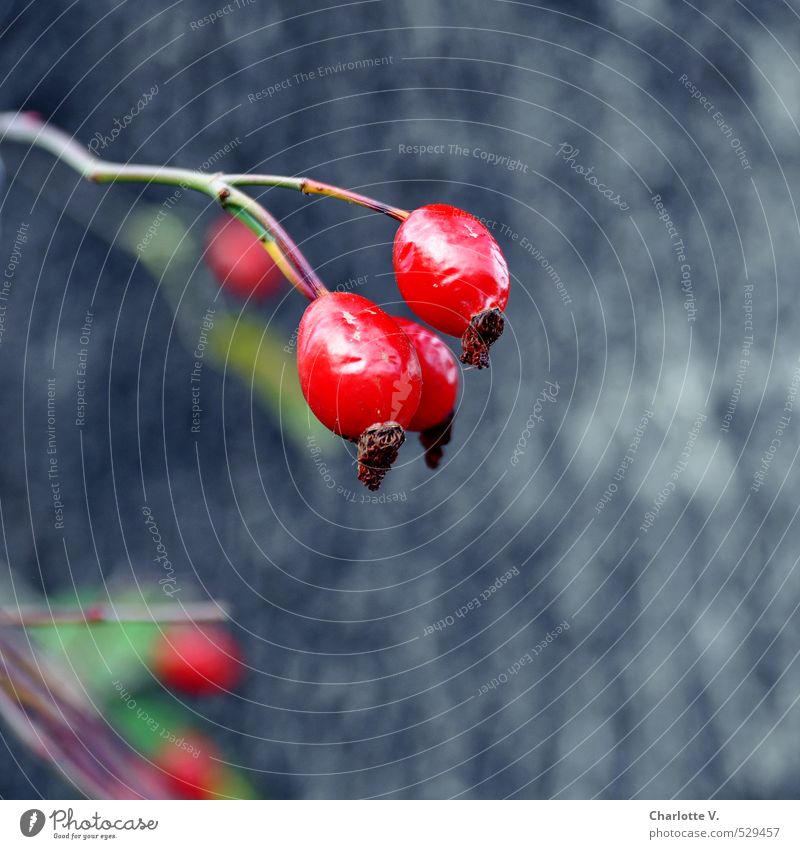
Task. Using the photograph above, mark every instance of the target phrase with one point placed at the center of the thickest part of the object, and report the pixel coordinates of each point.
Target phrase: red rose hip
(197, 660)
(440, 379)
(191, 771)
(360, 375)
(239, 261)
(453, 274)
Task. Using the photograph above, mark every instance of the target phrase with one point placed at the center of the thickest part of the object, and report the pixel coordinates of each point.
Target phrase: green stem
(29, 127)
(313, 187)
(26, 127)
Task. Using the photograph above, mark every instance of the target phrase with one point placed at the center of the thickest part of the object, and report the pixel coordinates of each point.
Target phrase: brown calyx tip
(377, 450)
(484, 329)
(434, 439)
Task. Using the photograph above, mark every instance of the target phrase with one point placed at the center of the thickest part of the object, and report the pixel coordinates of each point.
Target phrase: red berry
(360, 375)
(239, 260)
(191, 771)
(453, 274)
(197, 660)
(440, 379)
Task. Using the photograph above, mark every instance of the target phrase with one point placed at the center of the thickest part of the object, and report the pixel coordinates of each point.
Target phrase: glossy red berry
(453, 274)
(361, 377)
(440, 380)
(197, 660)
(239, 261)
(190, 769)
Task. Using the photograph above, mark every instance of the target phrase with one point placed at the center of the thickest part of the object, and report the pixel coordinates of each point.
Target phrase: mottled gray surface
(678, 675)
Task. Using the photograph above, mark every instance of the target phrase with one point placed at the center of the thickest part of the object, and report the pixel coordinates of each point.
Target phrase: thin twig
(38, 616)
(314, 187)
(27, 127)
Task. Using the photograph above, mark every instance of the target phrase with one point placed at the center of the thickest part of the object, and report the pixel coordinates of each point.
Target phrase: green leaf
(147, 721)
(102, 652)
(258, 356)
(236, 786)
(150, 722)
(242, 344)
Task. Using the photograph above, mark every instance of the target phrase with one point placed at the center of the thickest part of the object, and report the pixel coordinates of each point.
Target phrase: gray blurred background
(678, 672)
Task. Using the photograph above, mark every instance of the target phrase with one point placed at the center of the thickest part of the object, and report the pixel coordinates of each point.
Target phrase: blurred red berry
(361, 377)
(197, 660)
(452, 273)
(239, 261)
(190, 769)
(440, 379)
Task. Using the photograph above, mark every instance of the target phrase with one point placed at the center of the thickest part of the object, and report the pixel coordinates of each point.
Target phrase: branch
(27, 127)
(29, 616)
